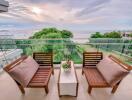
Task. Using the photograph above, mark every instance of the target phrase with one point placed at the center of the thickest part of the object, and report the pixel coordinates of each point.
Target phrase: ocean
(26, 33)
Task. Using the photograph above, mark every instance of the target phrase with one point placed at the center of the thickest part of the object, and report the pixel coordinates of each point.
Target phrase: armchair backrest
(91, 58)
(43, 59)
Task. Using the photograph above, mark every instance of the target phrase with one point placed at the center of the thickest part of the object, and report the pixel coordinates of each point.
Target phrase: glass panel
(64, 49)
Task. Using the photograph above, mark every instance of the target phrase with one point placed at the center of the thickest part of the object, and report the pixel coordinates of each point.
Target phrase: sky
(68, 14)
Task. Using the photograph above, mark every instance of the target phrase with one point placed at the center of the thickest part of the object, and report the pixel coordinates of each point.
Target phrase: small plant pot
(67, 66)
(67, 69)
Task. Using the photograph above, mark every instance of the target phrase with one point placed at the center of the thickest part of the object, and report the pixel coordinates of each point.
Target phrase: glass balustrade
(64, 49)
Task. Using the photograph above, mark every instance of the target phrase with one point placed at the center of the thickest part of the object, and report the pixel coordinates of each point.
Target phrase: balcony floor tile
(10, 91)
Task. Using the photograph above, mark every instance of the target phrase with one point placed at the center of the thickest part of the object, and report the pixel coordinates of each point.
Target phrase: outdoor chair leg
(46, 89)
(52, 71)
(82, 72)
(115, 88)
(21, 89)
(89, 89)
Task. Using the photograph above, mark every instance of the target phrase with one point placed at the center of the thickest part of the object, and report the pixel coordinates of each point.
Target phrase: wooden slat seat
(41, 77)
(94, 77)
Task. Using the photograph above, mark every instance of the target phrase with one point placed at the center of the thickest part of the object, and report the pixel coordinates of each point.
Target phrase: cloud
(74, 14)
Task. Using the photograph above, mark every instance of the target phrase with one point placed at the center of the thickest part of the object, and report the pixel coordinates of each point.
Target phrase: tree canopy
(97, 35)
(130, 35)
(107, 35)
(66, 34)
(51, 44)
(52, 33)
(113, 35)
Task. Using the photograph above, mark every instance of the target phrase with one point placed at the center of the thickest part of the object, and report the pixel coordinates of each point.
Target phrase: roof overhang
(4, 6)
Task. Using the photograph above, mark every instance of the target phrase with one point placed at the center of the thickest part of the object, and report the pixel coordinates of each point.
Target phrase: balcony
(61, 49)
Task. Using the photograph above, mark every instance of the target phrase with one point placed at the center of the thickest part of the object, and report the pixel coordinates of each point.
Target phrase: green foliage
(66, 34)
(130, 35)
(28, 51)
(51, 44)
(66, 65)
(80, 49)
(112, 35)
(97, 35)
(107, 35)
(52, 33)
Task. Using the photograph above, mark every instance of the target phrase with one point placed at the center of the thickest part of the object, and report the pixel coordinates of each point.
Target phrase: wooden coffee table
(68, 82)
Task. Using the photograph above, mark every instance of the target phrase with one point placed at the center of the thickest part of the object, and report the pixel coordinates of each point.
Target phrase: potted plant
(66, 66)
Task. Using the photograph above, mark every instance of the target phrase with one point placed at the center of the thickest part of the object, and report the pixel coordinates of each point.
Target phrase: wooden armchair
(94, 77)
(42, 76)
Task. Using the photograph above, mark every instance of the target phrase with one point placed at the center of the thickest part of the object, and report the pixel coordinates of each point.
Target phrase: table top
(67, 77)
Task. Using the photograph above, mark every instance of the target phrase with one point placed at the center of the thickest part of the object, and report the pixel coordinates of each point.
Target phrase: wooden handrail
(121, 63)
(14, 63)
